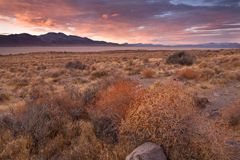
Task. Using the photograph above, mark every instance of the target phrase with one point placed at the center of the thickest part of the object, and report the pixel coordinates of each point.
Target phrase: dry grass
(56, 125)
(125, 116)
(231, 115)
(207, 74)
(16, 149)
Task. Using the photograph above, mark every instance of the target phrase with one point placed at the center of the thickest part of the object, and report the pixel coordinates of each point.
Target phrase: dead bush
(4, 97)
(41, 67)
(73, 107)
(231, 114)
(57, 73)
(201, 102)
(145, 60)
(21, 83)
(9, 122)
(98, 74)
(89, 94)
(133, 71)
(43, 123)
(76, 65)
(54, 147)
(86, 146)
(106, 129)
(181, 58)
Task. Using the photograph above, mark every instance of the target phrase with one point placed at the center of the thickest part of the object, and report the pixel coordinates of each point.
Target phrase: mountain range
(61, 39)
(204, 45)
(49, 39)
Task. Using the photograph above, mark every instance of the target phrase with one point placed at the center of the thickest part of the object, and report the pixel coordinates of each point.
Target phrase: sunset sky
(132, 21)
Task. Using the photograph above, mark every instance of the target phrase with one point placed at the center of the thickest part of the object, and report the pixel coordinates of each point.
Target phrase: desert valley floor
(57, 104)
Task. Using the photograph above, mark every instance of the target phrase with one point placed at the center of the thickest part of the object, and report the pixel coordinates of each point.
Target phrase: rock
(147, 151)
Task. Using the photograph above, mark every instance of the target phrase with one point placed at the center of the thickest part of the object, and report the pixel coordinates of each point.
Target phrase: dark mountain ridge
(61, 39)
(49, 39)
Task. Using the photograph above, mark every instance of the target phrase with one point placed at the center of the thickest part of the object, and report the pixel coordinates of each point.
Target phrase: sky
(126, 21)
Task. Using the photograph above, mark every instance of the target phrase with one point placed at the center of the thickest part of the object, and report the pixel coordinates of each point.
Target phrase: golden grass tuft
(166, 115)
(160, 116)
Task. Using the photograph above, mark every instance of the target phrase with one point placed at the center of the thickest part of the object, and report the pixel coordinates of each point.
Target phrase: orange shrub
(148, 73)
(114, 100)
(188, 73)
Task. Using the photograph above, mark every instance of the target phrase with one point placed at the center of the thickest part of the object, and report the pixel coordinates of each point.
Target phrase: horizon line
(125, 43)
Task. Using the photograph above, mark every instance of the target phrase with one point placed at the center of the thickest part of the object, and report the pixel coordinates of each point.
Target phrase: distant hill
(205, 45)
(49, 39)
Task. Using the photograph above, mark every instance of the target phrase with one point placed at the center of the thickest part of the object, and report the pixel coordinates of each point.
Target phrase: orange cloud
(35, 21)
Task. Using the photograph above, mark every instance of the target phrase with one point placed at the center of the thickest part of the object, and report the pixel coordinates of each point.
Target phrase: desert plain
(102, 105)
